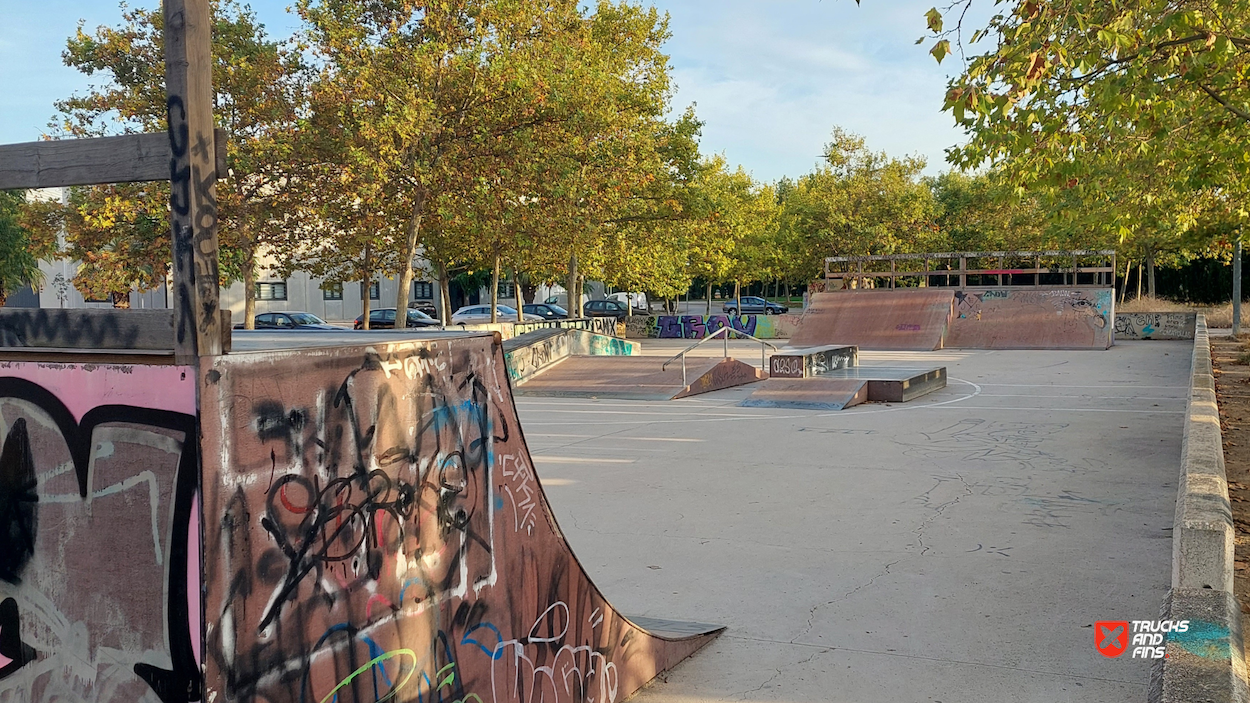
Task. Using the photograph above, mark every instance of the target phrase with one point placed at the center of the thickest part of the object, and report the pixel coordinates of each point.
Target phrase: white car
(474, 314)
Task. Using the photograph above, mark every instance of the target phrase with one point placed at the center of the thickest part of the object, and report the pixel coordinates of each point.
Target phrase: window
(265, 320)
(375, 291)
(271, 290)
(506, 289)
(332, 291)
(422, 290)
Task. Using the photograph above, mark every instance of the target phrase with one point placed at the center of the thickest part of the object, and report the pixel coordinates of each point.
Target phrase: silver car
(475, 314)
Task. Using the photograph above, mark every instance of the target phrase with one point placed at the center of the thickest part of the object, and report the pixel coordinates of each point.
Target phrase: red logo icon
(1111, 637)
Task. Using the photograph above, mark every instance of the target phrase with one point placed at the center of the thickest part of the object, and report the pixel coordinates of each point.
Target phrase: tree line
(537, 141)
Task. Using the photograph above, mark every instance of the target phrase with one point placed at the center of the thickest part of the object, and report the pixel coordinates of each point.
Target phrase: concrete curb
(1202, 541)
(1207, 662)
(1204, 664)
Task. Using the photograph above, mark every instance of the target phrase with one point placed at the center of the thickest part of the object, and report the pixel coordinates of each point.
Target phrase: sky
(769, 78)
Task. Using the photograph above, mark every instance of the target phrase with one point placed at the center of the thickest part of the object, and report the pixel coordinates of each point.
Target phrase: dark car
(384, 319)
(290, 321)
(547, 311)
(608, 308)
(753, 305)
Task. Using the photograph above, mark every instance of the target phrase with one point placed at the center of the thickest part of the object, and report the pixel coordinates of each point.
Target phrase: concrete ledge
(1206, 663)
(1202, 539)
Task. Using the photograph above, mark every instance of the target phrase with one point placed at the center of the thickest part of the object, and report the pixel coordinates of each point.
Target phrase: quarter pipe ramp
(376, 531)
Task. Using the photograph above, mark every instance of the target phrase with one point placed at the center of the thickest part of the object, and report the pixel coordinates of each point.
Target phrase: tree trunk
(1128, 271)
(494, 291)
(4, 297)
(121, 301)
(249, 290)
(570, 285)
(365, 298)
(1141, 267)
(411, 233)
(738, 296)
(709, 298)
(516, 290)
(1150, 268)
(444, 294)
(580, 285)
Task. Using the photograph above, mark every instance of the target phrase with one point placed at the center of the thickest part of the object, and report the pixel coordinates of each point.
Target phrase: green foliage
(259, 88)
(20, 249)
(1126, 122)
(861, 202)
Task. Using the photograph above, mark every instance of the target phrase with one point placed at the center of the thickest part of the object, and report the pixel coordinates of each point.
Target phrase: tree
(119, 234)
(861, 202)
(259, 86)
(20, 248)
(484, 121)
(1085, 95)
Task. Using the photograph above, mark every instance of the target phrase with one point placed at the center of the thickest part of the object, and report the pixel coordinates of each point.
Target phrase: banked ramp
(925, 319)
(894, 320)
(375, 530)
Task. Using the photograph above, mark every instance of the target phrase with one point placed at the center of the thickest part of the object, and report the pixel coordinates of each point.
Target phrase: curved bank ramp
(375, 531)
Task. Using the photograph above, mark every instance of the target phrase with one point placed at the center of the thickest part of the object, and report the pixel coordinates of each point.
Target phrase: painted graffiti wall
(378, 533)
(508, 330)
(1065, 318)
(700, 326)
(99, 534)
(525, 360)
(1155, 325)
(813, 361)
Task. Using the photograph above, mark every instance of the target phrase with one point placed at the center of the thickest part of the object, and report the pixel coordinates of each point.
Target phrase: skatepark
(863, 512)
(951, 549)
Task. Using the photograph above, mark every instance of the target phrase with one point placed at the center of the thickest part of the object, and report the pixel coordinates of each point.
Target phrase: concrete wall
(526, 360)
(700, 326)
(1207, 661)
(379, 533)
(99, 534)
(1155, 325)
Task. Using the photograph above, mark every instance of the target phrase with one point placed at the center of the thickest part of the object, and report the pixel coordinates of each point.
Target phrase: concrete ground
(957, 548)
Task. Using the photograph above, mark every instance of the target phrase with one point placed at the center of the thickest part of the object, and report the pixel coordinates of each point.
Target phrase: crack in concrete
(777, 675)
(811, 615)
(938, 509)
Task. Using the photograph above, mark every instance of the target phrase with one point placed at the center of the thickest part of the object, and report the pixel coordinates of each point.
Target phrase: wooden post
(193, 179)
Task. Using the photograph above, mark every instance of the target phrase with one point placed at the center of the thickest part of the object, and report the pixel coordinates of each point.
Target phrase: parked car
(638, 300)
(547, 311)
(753, 305)
(290, 321)
(425, 306)
(608, 307)
(384, 319)
(474, 314)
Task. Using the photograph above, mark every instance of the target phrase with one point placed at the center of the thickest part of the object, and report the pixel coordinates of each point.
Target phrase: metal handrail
(724, 334)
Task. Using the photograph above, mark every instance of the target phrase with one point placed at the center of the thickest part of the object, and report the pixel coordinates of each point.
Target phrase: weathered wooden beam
(76, 162)
(92, 330)
(193, 179)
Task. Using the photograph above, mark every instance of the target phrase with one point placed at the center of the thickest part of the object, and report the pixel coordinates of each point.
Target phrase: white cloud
(771, 79)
